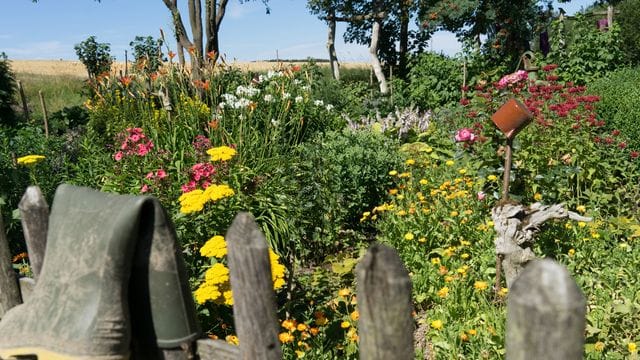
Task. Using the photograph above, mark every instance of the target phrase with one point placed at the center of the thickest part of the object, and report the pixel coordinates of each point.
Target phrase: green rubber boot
(112, 280)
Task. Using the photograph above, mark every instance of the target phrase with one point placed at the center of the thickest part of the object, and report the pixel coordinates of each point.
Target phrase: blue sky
(50, 29)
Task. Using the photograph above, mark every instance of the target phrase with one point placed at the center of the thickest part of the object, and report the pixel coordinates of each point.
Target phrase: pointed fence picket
(545, 309)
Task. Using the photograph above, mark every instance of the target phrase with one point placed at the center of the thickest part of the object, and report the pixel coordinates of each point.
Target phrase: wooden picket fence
(546, 310)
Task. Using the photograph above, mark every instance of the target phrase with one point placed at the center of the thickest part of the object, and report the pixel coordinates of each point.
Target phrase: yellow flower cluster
(216, 286)
(214, 247)
(30, 159)
(221, 153)
(194, 200)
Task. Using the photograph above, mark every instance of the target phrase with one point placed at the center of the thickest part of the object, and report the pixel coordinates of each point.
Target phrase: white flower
(286, 96)
(274, 122)
(299, 99)
(268, 98)
(318, 103)
(329, 107)
(247, 90)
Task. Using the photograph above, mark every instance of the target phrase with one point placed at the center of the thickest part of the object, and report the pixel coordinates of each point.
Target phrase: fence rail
(545, 308)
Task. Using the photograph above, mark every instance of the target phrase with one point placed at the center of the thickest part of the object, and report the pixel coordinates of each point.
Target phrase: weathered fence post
(34, 212)
(254, 304)
(45, 115)
(9, 292)
(23, 99)
(384, 301)
(545, 314)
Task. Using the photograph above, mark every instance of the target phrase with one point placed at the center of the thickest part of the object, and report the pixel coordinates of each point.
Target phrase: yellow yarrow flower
(410, 162)
(537, 196)
(277, 270)
(206, 292)
(345, 324)
(492, 178)
(217, 192)
(408, 236)
(632, 347)
(192, 201)
(30, 159)
(449, 163)
(355, 315)
(217, 274)
(581, 209)
(214, 247)
(221, 153)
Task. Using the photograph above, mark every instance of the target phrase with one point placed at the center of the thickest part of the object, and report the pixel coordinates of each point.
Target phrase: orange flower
(126, 80)
(19, 257)
(211, 55)
(171, 55)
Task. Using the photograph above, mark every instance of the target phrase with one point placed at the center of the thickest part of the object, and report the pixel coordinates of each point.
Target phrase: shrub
(147, 53)
(585, 53)
(619, 97)
(341, 174)
(433, 80)
(629, 20)
(7, 91)
(95, 56)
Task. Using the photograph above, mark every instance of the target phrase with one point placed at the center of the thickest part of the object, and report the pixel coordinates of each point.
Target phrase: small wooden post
(23, 99)
(609, 16)
(384, 301)
(254, 302)
(507, 169)
(34, 212)
(45, 115)
(9, 291)
(545, 314)
(126, 64)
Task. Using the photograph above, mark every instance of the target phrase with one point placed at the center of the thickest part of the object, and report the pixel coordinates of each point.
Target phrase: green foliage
(585, 53)
(7, 91)
(147, 53)
(95, 56)
(341, 174)
(618, 106)
(629, 20)
(433, 81)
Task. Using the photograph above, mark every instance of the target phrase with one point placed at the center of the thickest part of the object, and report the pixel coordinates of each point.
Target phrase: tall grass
(59, 91)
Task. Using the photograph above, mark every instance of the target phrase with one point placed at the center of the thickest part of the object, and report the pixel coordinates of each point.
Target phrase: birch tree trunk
(331, 46)
(375, 61)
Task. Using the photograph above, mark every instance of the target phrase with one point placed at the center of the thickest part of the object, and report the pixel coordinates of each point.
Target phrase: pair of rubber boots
(112, 285)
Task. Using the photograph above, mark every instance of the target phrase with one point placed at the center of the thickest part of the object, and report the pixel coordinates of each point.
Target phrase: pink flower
(464, 135)
(149, 175)
(134, 138)
(144, 188)
(118, 156)
(161, 174)
(190, 186)
(481, 195)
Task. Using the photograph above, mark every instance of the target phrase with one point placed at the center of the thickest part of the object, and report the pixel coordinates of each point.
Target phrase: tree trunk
(404, 37)
(195, 19)
(375, 61)
(331, 46)
(180, 30)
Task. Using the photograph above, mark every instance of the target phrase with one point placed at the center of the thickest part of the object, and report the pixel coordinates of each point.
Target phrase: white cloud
(41, 50)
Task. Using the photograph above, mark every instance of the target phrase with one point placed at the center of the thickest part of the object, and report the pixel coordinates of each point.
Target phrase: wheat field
(75, 68)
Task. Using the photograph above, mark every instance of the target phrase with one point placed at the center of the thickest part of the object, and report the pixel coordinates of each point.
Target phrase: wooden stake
(44, 114)
(507, 170)
(23, 98)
